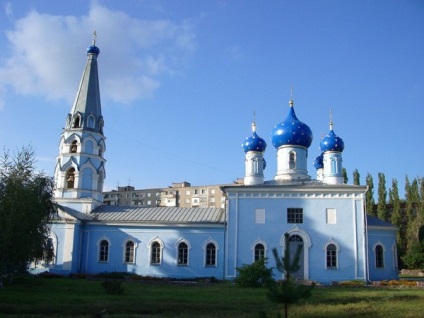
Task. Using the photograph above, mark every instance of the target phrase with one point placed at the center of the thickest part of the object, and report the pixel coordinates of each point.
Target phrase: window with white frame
(104, 251)
(210, 254)
(259, 251)
(129, 252)
(155, 253)
(331, 252)
(182, 254)
(379, 256)
(292, 160)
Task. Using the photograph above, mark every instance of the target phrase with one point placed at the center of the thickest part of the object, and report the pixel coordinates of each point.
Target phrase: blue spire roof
(291, 132)
(87, 104)
(254, 142)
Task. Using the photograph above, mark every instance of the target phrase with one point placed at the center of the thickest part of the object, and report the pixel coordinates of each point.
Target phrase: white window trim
(331, 241)
(205, 244)
(103, 238)
(177, 243)
(124, 249)
(149, 246)
(252, 247)
(375, 255)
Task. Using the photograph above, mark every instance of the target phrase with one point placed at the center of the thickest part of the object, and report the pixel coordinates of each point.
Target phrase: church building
(324, 215)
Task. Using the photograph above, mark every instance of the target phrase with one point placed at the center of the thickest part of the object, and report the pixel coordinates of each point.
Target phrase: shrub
(113, 287)
(254, 275)
(352, 283)
(414, 258)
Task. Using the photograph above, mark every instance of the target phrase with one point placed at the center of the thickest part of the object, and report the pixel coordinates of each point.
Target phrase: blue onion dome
(93, 49)
(319, 162)
(254, 142)
(331, 142)
(291, 132)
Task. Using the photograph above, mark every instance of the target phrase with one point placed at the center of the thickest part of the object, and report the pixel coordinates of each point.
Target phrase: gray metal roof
(374, 221)
(173, 215)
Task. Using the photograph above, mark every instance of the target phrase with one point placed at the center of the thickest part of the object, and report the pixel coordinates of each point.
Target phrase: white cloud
(47, 53)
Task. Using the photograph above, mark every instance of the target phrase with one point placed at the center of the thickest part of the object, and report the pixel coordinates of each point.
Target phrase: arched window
(77, 122)
(104, 251)
(90, 121)
(331, 252)
(74, 147)
(292, 160)
(129, 252)
(259, 251)
(255, 165)
(70, 178)
(182, 254)
(155, 253)
(210, 254)
(379, 256)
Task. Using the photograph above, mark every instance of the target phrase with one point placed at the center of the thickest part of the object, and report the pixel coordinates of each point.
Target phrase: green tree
(412, 203)
(398, 216)
(370, 203)
(287, 291)
(382, 211)
(345, 178)
(26, 209)
(420, 212)
(356, 177)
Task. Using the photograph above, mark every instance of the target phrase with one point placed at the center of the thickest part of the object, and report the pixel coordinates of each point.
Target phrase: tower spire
(80, 168)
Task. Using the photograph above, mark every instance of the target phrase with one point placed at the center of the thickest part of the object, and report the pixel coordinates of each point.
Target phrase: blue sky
(180, 81)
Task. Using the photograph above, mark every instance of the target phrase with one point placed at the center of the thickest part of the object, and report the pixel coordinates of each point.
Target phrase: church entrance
(295, 241)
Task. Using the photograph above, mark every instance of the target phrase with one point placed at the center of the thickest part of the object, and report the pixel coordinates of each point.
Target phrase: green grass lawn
(59, 297)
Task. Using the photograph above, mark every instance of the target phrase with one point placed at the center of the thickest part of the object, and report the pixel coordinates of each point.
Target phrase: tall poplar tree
(398, 216)
(382, 211)
(414, 257)
(412, 200)
(356, 177)
(345, 178)
(370, 203)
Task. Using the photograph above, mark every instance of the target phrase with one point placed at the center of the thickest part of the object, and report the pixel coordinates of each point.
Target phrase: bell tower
(80, 166)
